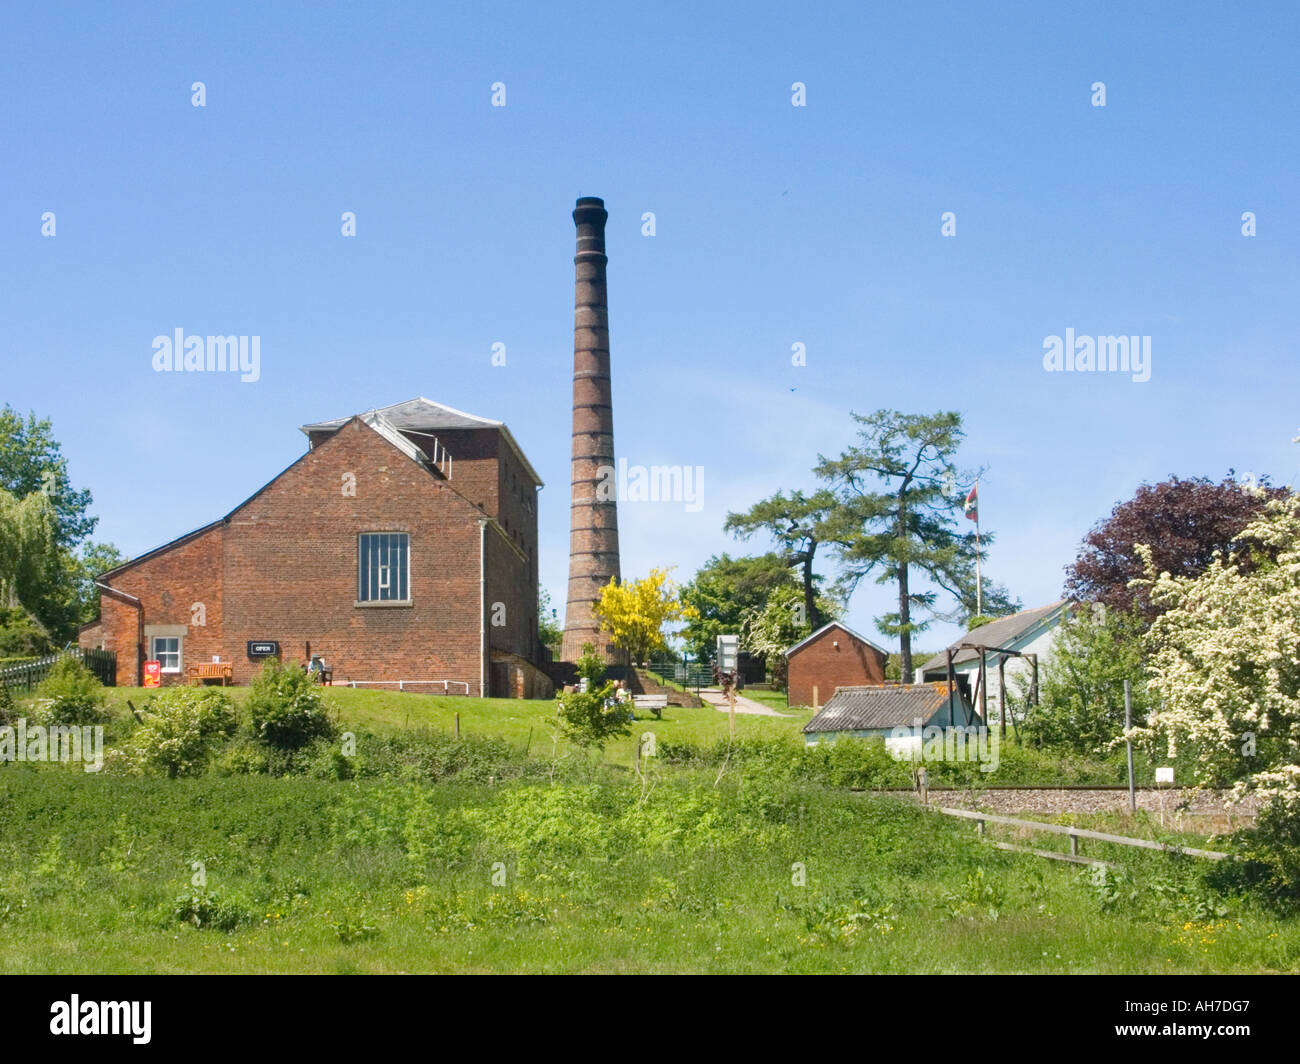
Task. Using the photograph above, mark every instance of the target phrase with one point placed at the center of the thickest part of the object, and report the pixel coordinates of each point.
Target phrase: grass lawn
(527, 723)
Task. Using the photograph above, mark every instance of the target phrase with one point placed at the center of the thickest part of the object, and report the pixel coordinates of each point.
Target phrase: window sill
(390, 604)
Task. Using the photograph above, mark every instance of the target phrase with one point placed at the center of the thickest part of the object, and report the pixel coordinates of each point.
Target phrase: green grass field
(470, 858)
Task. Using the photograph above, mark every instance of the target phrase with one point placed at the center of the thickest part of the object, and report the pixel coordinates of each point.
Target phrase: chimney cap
(590, 201)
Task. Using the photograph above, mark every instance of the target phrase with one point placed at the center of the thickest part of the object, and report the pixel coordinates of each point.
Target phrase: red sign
(153, 673)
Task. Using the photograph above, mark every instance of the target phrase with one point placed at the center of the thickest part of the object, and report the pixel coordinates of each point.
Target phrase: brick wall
(283, 567)
(826, 666)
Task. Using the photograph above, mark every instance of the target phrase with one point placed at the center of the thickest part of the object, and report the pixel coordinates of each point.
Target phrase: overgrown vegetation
(401, 847)
(748, 872)
(70, 694)
(592, 717)
(287, 707)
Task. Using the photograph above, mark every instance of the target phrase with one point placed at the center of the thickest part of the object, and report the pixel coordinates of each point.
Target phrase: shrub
(210, 909)
(181, 727)
(8, 711)
(243, 757)
(1268, 864)
(592, 717)
(287, 708)
(21, 635)
(71, 694)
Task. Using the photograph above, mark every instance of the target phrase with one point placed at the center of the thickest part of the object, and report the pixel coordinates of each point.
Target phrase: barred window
(383, 559)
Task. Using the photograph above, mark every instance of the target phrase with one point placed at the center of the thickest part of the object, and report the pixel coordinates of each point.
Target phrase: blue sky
(775, 225)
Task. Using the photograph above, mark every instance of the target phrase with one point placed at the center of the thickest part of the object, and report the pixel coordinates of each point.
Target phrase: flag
(972, 508)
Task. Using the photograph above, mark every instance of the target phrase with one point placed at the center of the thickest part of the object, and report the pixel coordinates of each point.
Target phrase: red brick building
(833, 656)
(401, 547)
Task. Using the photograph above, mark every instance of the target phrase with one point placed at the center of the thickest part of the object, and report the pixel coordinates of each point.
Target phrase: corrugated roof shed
(888, 706)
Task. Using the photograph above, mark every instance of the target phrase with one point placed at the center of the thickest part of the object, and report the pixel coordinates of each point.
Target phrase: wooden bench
(655, 703)
(213, 670)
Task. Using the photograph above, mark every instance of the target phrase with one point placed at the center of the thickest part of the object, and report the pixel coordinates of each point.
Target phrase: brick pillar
(593, 537)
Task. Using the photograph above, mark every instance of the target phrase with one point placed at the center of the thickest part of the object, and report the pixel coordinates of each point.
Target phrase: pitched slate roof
(887, 706)
(424, 415)
(842, 627)
(1004, 632)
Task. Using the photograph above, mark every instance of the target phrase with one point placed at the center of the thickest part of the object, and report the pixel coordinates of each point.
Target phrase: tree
(549, 632)
(22, 635)
(1082, 687)
(724, 589)
(1183, 522)
(26, 542)
(31, 460)
(909, 525)
(60, 590)
(795, 522)
(774, 627)
(1224, 653)
(636, 612)
(1224, 656)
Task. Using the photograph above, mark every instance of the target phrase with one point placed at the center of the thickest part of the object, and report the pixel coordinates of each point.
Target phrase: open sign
(263, 648)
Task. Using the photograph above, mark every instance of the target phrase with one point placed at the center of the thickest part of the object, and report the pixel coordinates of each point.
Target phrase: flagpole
(979, 587)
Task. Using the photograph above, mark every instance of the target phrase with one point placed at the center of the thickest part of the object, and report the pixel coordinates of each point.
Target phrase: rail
(1076, 834)
(402, 685)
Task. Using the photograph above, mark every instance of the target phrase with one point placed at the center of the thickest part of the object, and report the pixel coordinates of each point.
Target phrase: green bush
(592, 717)
(71, 694)
(243, 757)
(1268, 857)
(21, 636)
(181, 728)
(210, 909)
(287, 708)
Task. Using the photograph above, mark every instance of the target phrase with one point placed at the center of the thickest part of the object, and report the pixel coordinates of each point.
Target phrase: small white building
(1027, 632)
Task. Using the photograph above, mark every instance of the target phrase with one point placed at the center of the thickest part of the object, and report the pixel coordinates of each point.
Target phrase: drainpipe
(482, 608)
(139, 628)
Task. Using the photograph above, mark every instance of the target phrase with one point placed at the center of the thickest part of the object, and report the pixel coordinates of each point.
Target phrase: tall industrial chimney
(593, 536)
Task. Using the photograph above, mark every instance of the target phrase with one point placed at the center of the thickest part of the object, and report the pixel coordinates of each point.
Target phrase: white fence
(402, 685)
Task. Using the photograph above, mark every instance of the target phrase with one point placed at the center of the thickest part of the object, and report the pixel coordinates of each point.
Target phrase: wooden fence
(26, 675)
(1075, 835)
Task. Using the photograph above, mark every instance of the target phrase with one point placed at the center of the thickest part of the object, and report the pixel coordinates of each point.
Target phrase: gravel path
(714, 697)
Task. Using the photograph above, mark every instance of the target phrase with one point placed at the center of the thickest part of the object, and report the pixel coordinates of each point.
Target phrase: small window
(383, 561)
(166, 650)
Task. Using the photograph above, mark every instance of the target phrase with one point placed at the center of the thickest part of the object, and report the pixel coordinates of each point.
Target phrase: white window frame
(180, 652)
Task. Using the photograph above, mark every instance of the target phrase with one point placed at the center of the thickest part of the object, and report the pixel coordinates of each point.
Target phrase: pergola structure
(1003, 653)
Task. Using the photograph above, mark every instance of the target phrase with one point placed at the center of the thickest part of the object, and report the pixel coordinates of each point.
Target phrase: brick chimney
(593, 537)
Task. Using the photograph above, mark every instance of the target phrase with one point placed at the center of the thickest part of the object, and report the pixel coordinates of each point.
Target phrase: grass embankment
(467, 855)
(525, 723)
(377, 876)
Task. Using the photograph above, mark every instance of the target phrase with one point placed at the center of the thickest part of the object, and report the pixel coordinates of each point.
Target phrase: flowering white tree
(1224, 660)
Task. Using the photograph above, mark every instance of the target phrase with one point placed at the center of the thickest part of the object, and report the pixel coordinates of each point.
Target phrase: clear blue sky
(775, 225)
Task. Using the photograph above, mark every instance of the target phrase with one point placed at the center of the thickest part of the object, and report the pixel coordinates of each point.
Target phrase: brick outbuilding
(833, 656)
(401, 547)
